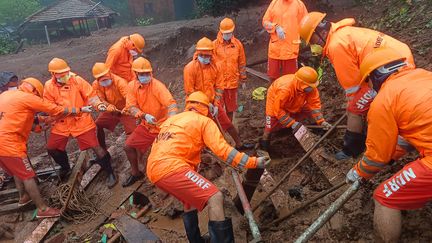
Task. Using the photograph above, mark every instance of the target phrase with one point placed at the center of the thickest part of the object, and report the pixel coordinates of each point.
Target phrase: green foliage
(220, 7)
(7, 45)
(144, 21)
(121, 7)
(13, 12)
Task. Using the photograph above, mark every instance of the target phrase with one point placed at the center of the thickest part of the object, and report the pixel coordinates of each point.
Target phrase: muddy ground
(168, 47)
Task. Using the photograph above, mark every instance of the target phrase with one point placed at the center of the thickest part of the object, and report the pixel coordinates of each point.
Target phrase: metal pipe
(326, 216)
(308, 153)
(246, 207)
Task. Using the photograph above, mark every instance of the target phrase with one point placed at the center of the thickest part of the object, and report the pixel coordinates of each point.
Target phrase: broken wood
(41, 230)
(258, 74)
(134, 231)
(73, 179)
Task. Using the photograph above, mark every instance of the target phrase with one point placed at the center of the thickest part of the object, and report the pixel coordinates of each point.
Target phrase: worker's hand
(280, 32)
(263, 161)
(326, 125)
(125, 112)
(296, 126)
(150, 119)
(87, 109)
(111, 108)
(102, 107)
(214, 110)
(352, 176)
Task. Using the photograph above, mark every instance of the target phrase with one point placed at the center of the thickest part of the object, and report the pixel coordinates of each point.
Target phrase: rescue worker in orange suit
(112, 90)
(290, 99)
(282, 21)
(121, 55)
(150, 101)
(230, 56)
(346, 46)
(204, 74)
(17, 111)
(175, 157)
(8, 81)
(401, 107)
(70, 90)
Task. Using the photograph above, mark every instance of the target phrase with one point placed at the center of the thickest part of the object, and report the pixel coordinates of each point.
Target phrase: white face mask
(105, 83)
(133, 53)
(63, 79)
(227, 36)
(13, 88)
(204, 60)
(144, 79)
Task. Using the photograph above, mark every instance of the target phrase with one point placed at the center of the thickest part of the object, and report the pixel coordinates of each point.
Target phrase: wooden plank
(258, 74)
(278, 198)
(134, 231)
(9, 193)
(41, 230)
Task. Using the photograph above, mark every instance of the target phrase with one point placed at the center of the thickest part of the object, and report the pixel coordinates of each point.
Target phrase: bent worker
(401, 107)
(204, 74)
(346, 46)
(111, 90)
(8, 81)
(67, 89)
(17, 111)
(230, 56)
(150, 101)
(282, 21)
(175, 157)
(122, 53)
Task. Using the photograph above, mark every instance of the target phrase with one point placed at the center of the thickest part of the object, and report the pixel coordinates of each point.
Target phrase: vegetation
(144, 21)
(7, 45)
(220, 7)
(14, 12)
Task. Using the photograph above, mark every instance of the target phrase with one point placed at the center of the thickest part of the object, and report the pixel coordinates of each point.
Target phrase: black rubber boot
(105, 163)
(132, 179)
(354, 143)
(61, 158)
(250, 183)
(221, 231)
(190, 221)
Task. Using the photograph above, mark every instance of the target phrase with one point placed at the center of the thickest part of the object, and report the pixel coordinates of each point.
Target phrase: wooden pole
(47, 35)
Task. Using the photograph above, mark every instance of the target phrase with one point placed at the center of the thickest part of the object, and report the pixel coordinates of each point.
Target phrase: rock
(145, 220)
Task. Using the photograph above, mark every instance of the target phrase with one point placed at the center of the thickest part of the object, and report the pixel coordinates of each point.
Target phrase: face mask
(63, 79)
(144, 79)
(308, 89)
(105, 83)
(133, 53)
(13, 88)
(204, 60)
(316, 50)
(227, 36)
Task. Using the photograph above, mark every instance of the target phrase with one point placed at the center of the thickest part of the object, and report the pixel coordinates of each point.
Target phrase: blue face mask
(105, 83)
(204, 60)
(144, 79)
(227, 36)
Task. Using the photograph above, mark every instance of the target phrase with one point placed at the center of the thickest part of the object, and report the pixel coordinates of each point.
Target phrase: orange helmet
(308, 76)
(200, 97)
(141, 65)
(99, 70)
(308, 25)
(57, 65)
(205, 44)
(36, 84)
(138, 41)
(226, 25)
(377, 58)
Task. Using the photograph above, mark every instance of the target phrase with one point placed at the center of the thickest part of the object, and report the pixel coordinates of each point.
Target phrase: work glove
(102, 107)
(214, 110)
(326, 125)
(150, 119)
(87, 109)
(352, 176)
(280, 32)
(111, 108)
(262, 162)
(296, 126)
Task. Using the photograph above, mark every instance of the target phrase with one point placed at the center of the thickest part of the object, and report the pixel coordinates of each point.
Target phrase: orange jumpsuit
(286, 101)
(402, 106)
(75, 94)
(119, 60)
(210, 80)
(115, 95)
(17, 110)
(176, 154)
(231, 59)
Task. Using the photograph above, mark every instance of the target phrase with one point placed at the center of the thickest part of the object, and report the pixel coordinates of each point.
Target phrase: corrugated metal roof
(71, 9)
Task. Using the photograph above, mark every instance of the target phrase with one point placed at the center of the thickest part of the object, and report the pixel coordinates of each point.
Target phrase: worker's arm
(166, 99)
(267, 21)
(112, 56)
(283, 117)
(215, 141)
(37, 104)
(132, 102)
(99, 92)
(189, 79)
(242, 62)
(89, 94)
(314, 102)
(381, 139)
(219, 85)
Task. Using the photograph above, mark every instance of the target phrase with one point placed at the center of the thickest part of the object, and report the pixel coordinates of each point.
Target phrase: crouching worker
(174, 159)
(17, 111)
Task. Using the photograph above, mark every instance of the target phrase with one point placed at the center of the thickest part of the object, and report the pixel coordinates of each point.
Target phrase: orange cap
(308, 25)
(36, 84)
(377, 58)
(226, 25)
(200, 97)
(141, 65)
(308, 76)
(99, 70)
(57, 65)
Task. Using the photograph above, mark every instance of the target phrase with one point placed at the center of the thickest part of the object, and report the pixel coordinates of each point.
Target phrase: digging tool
(304, 205)
(326, 216)
(300, 161)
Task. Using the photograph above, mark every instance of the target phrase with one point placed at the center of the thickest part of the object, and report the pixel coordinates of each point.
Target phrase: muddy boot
(354, 145)
(132, 179)
(61, 158)
(190, 221)
(105, 163)
(221, 231)
(250, 183)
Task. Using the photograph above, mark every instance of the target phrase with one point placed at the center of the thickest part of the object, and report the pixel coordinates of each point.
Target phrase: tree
(14, 12)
